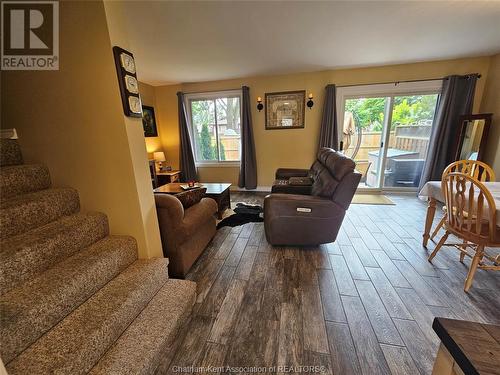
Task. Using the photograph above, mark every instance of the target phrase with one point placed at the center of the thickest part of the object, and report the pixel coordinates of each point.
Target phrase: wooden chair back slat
(470, 222)
(476, 169)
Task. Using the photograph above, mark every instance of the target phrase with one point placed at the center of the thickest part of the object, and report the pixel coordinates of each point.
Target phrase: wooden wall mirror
(473, 136)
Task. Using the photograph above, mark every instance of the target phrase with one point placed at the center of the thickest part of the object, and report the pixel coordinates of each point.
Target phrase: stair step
(26, 255)
(29, 311)
(141, 347)
(28, 211)
(77, 343)
(23, 179)
(10, 152)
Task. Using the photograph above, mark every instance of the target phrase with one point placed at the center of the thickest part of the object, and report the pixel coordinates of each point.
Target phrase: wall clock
(127, 79)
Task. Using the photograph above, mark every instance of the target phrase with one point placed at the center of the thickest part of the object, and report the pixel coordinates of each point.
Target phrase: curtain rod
(408, 81)
(357, 84)
(210, 91)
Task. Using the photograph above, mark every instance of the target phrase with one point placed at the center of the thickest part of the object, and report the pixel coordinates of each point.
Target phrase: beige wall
(166, 114)
(491, 104)
(297, 147)
(72, 120)
(117, 29)
(148, 97)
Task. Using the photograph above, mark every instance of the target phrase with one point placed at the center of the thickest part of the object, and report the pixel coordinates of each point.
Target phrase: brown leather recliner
(184, 232)
(310, 214)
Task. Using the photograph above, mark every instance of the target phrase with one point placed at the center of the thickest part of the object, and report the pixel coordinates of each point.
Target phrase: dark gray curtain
(456, 99)
(187, 166)
(328, 134)
(248, 165)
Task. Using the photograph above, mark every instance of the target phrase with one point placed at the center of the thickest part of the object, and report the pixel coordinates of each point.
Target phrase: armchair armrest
(169, 207)
(286, 173)
(300, 205)
(197, 215)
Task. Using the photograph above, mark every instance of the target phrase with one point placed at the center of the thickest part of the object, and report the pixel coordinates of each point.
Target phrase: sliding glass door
(386, 130)
(363, 135)
(410, 131)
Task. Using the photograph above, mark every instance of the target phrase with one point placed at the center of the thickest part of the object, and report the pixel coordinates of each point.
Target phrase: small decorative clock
(127, 79)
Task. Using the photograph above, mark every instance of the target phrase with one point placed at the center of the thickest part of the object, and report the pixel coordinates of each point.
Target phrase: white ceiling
(201, 41)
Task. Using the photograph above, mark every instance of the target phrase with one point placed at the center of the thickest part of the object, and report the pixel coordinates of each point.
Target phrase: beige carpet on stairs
(74, 298)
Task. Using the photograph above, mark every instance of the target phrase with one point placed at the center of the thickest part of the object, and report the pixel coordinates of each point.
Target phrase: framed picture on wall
(285, 110)
(149, 121)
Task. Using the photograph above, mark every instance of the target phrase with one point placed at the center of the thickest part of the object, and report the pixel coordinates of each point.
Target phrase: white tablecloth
(432, 189)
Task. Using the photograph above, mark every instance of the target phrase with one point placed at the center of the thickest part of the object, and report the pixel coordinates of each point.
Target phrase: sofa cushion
(324, 185)
(191, 197)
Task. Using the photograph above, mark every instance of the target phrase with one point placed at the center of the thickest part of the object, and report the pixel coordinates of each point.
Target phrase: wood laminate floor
(361, 305)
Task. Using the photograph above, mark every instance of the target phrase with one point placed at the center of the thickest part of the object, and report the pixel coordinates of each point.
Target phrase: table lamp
(159, 158)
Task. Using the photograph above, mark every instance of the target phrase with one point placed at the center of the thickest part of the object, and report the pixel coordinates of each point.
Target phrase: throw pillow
(191, 197)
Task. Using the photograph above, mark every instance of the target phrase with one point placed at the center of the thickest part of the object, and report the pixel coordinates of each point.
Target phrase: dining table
(432, 193)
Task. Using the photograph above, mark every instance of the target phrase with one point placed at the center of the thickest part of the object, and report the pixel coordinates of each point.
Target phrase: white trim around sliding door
(385, 89)
(382, 90)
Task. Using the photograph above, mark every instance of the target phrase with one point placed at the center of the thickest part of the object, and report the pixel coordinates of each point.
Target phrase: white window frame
(389, 90)
(211, 96)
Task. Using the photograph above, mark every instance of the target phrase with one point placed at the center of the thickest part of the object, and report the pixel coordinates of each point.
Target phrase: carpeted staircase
(75, 299)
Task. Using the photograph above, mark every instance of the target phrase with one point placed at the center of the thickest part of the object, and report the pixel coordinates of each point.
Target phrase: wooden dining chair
(470, 216)
(476, 169)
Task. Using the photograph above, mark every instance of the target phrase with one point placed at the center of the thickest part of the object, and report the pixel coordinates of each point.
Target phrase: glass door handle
(381, 144)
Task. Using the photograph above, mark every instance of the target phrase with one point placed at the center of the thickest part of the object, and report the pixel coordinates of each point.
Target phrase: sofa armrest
(197, 215)
(169, 207)
(300, 205)
(286, 173)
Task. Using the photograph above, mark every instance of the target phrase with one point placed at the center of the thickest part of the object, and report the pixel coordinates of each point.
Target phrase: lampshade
(159, 156)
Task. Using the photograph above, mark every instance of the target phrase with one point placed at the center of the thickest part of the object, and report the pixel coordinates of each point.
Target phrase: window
(215, 120)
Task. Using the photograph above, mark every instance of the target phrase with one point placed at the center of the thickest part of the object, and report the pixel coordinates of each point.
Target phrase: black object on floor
(244, 213)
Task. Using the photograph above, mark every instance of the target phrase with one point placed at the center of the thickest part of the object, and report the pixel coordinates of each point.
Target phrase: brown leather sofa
(309, 214)
(184, 232)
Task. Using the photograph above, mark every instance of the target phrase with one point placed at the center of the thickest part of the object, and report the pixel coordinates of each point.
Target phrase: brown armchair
(184, 232)
(315, 215)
